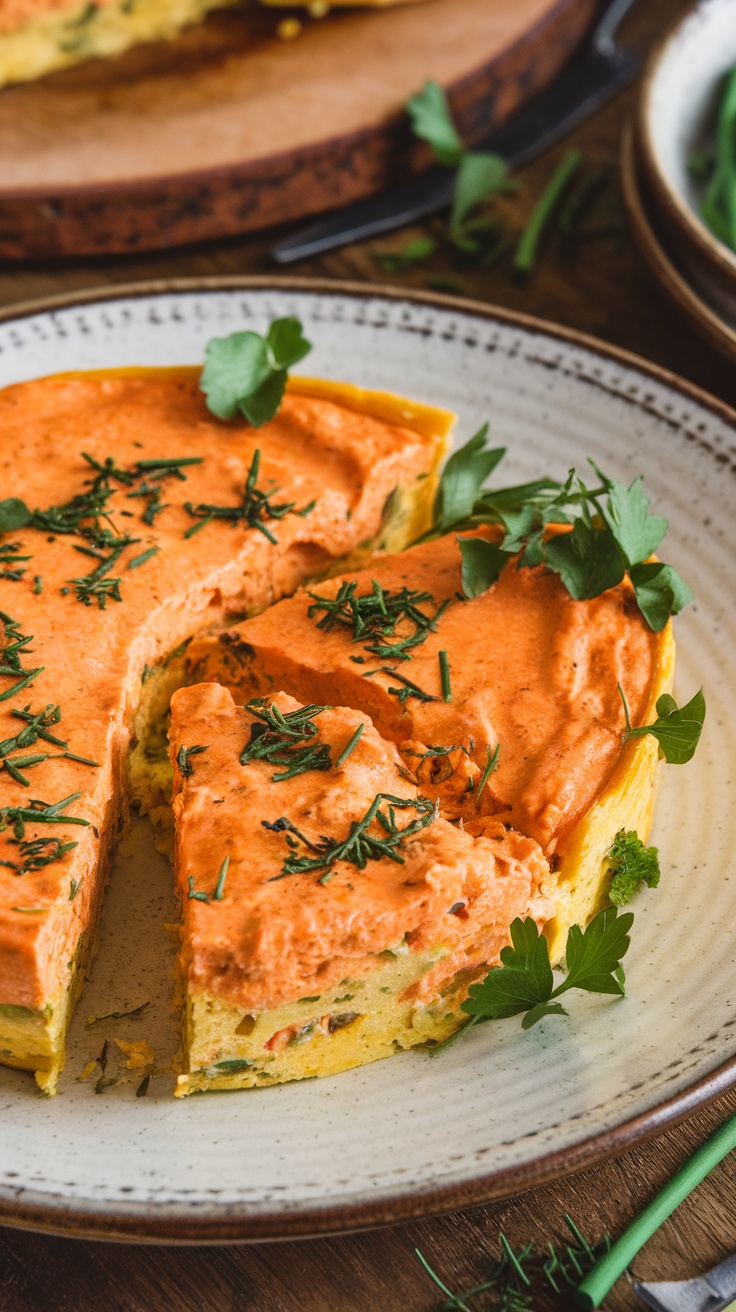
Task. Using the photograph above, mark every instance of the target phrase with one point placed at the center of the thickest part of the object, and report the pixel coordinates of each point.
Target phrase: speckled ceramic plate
(502, 1109)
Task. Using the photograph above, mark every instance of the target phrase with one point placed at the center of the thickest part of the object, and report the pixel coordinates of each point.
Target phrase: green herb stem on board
(544, 210)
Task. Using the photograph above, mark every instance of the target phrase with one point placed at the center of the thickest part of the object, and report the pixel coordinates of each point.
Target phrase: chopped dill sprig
(37, 813)
(491, 763)
(255, 508)
(185, 767)
(14, 648)
(375, 615)
(37, 853)
(519, 1276)
(359, 847)
(144, 556)
(349, 747)
(193, 895)
(287, 739)
(408, 690)
(445, 677)
(9, 556)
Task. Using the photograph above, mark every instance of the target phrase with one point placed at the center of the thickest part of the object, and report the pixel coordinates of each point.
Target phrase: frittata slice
(332, 914)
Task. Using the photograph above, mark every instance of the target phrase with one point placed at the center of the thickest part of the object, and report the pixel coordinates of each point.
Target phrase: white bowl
(676, 118)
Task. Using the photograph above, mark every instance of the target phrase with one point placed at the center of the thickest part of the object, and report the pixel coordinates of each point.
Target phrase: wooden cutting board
(227, 128)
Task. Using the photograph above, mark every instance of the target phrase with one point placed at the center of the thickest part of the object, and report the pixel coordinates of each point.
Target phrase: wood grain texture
(227, 129)
(614, 297)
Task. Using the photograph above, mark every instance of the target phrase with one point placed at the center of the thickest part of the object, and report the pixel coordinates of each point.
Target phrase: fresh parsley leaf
(479, 175)
(631, 864)
(247, 373)
(660, 592)
(482, 564)
(414, 252)
(593, 956)
(462, 479)
(677, 729)
(636, 532)
(286, 343)
(524, 981)
(586, 559)
(432, 121)
(14, 513)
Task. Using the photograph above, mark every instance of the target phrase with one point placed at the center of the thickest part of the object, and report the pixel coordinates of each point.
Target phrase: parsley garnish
(375, 615)
(286, 739)
(612, 532)
(255, 508)
(677, 729)
(359, 847)
(631, 864)
(247, 373)
(185, 767)
(479, 174)
(524, 981)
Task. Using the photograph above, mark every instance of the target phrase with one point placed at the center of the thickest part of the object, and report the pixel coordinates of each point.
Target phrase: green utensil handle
(600, 1280)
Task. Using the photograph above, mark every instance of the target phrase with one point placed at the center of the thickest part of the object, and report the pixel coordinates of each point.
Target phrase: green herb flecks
(38, 813)
(519, 1275)
(360, 846)
(287, 739)
(524, 982)
(490, 766)
(372, 618)
(349, 747)
(631, 864)
(543, 212)
(408, 691)
(184, 765)
(677, 729)
(612, 532)
(219, 892)
(15, 645)
(246, 373)
(153, 472)
(254, 510)
(445, 677)
(38, 852)
(12, 560)
(144, 556)
(193, 894)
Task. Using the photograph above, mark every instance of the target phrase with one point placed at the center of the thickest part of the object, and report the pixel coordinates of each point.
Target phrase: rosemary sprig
(349, 747)
(375, 615)
(286, 739)
(255, 508)
(359, 847)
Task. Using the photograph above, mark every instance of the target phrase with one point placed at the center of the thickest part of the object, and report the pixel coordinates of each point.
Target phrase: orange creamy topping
(531, 670)
(93, 660)
(272, 939)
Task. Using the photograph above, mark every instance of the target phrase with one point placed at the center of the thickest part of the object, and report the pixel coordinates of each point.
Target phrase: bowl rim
(151, 1223)
(702, 316)
(682, 216)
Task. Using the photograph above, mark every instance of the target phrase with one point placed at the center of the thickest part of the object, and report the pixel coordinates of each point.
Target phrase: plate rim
(174, 1224)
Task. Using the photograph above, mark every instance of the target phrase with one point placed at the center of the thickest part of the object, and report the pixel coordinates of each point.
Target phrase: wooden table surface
(602, 292)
